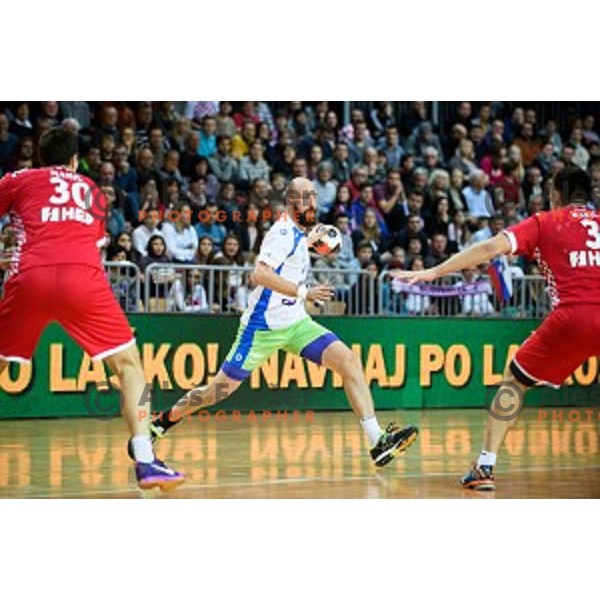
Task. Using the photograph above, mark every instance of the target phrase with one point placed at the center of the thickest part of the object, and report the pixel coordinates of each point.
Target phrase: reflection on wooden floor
(327, 458)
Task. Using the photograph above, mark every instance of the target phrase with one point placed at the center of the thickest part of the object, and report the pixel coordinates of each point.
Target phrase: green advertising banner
(409, 363)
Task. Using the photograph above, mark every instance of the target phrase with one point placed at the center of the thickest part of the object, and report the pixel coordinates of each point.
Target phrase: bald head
(299, 185)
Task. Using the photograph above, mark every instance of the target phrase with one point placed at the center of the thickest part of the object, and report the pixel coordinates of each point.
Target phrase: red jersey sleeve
(6, 194)
(524, 237)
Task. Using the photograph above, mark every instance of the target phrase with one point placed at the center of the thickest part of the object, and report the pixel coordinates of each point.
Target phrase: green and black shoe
(393, 441)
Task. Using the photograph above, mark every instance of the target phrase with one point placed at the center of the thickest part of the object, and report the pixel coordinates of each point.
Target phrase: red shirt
(566, 244)
(59, 217)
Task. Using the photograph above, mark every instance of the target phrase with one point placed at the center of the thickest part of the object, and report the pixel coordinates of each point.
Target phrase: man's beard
(307, 218)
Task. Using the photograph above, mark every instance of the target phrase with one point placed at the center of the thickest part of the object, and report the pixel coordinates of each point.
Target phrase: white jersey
(286, 251)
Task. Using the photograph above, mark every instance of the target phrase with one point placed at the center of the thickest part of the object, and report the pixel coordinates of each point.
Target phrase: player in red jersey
(55, 274)
(566, 244)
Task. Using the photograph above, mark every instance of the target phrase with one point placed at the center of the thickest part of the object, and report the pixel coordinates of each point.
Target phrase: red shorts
(78, 297)
(566, 338)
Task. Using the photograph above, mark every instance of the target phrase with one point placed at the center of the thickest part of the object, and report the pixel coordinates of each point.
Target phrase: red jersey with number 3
(566, 244)
(59, 217)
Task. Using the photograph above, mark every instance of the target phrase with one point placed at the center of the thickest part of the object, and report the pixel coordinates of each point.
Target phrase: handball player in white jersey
(276, 319)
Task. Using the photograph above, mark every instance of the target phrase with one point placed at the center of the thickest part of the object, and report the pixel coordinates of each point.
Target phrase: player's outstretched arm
(264, 275)
(469, 257)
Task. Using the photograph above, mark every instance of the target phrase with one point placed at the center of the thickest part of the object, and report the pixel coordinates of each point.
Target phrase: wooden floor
(326, 458)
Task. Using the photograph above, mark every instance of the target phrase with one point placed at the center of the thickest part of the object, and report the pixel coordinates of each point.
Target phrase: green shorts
(252, 346)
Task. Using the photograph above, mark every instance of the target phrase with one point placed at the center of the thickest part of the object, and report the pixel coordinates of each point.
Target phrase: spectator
(440, 221)
(230, 292)
(342, 204)
(382, 119)
(178, 135)
(161, 278)
(326, 190)
(222, 163)
(342, 168)
(189, 155)
(359, 143)
(146, 230)
(127, 180)
(413, 229)
(477, 199)
(494, 226)
(422, 138)
(211, 187)
(417, 304)
(8, 142)
(550, 132)
(458, 232)
(143, 120)
(159, 146)
(364, 294)
(225, 124)
(241, 142)
(122, 279)
(196, 193)
(528, 144)
(21, 125)
(315, 158)
(209, 225)
(475, 304)
(581, 156)
(253, 166)
(375, 169)
(544, 158)
(180, 237)
(391, 147)
(250, 230)
(346, 253)
(170, 168)
(247, 114)
(390, 199)
(196, 110)
(415, 116)
(464, 160)
(369, 231)
(515, 159)
(439, 251)
(589, 135)
(145, 164)
(208, 137)
(115, 222)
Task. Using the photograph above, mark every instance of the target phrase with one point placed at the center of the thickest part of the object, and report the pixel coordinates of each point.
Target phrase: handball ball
(330, 242)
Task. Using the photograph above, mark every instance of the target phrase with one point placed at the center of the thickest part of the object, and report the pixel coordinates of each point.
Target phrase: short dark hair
(573, 184)
(57, 147)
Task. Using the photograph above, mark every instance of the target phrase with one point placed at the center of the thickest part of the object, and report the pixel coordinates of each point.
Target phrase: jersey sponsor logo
(283, 231)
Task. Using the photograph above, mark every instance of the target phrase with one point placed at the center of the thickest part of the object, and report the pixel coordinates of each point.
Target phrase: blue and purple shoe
(157, 475)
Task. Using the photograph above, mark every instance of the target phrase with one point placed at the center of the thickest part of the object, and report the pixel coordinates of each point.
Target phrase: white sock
(371, 427)
(486, 459)
(142, 448)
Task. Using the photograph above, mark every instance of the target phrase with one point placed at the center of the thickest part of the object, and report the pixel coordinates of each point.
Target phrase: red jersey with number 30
(59, 217)
(566, 244)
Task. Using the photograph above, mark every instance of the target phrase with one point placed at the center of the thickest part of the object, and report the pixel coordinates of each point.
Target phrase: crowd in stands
(201, 182)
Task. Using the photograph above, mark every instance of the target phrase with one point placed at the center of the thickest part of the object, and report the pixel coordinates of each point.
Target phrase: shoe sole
(481, 486)
(164, 486)
(401, 447)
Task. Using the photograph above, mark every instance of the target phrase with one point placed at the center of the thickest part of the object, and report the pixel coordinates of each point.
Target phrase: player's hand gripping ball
(328, 239)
